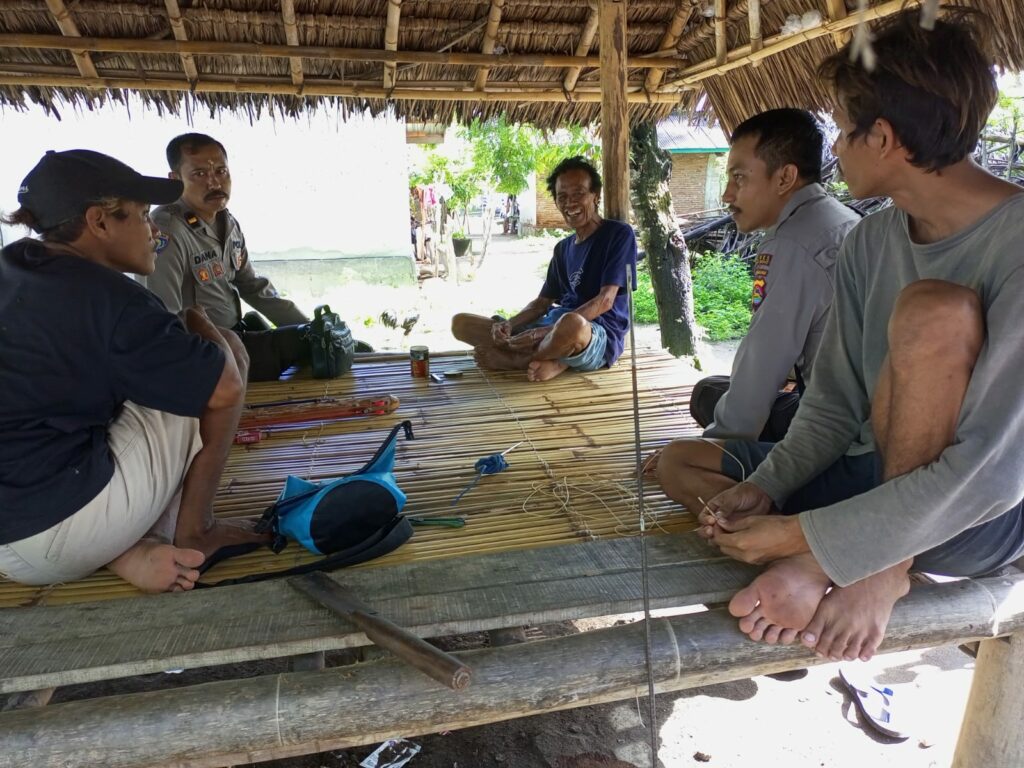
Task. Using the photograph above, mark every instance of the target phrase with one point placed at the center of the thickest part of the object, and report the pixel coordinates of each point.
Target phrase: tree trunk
(668, 260)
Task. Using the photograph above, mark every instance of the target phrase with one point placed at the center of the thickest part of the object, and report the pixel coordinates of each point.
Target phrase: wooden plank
(188, 64)
(68, 27)
(291, 34)
(391, 41)
(614, 110)
(490, 36)
(684, 9)
(43, 647)
(275, 716)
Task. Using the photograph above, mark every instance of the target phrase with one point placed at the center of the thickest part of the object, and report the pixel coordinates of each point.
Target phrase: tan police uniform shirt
(194, 266)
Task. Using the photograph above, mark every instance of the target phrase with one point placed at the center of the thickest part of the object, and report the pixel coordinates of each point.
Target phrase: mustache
(212, 195)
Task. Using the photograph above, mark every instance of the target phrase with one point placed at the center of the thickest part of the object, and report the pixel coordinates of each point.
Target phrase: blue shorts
(591, 358)
(973, 552)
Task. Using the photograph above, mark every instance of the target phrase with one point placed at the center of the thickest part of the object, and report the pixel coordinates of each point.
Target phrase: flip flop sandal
(874, 703)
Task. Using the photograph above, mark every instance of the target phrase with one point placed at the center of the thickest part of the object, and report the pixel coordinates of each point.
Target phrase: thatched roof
(533, 60)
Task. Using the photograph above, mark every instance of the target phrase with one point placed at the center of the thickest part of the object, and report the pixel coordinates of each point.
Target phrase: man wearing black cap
(117, 417)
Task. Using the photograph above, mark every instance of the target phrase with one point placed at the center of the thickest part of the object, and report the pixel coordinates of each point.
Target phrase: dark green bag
(332, 349)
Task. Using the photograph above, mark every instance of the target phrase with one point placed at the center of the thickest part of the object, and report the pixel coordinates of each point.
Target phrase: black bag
(332, 349)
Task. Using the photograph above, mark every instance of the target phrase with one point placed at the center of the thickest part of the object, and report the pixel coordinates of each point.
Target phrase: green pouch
(332, 349)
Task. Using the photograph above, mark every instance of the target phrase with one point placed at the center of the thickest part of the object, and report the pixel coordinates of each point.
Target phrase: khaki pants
(152, 451)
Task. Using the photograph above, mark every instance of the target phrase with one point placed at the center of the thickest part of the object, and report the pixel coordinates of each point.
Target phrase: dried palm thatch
(572, 478)
(532, 60)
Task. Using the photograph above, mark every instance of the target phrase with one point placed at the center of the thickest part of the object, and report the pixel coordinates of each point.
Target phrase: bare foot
(500, 360)
(222, 533)
(782, 600)
(544, 370)
(156, 567)
(850, 622)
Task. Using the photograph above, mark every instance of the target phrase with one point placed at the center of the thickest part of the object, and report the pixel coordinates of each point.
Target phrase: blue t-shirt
(76, 341)
(578, 271)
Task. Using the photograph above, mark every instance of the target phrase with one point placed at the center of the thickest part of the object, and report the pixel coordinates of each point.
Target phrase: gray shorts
(973, 552)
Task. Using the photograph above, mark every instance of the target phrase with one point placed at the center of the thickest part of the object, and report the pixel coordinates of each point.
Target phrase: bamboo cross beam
(391, 40)
(291, 34)
(327, 53)
(188, 64)
(572, 74)
(684, 9)
(67, 26)
(490, 36)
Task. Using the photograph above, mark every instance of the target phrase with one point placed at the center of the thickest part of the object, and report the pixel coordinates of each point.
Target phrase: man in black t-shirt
(117, 416)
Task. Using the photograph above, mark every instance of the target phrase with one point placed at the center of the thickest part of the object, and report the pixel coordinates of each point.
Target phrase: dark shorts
(708, 391)
(974, 552)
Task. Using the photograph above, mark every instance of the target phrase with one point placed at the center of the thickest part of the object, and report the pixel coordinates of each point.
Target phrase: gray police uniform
(793, 286)
(194, 266)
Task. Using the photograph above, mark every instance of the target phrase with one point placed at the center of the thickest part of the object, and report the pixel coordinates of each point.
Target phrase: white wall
(313, 187)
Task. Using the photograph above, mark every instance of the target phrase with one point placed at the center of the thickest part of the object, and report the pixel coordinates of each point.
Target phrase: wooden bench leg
(991, 733)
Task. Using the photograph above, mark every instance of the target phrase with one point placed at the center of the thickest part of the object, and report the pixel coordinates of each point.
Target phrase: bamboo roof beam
(188, 64)
(391, 40)
(490, 36)
(282, 87)
(836, 10)
(721, 43)
(572, 74)
(291, 34)
(754, 22)
(327, 53)
(67, 26)
(742, 55)
(684, 9)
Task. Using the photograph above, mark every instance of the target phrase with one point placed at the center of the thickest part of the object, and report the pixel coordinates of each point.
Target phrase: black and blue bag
(349, 520)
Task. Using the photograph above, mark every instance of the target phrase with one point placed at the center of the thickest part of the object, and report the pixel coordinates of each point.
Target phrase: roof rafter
(572, 74)
(188, 64)
(836, 10)
(754, 22)
(67, 26)
(391, 40)
(684, 9)
(291, 35)
(721, 42)
(490, 35)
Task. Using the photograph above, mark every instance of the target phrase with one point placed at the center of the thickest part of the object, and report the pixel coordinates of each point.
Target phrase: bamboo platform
(572, 479)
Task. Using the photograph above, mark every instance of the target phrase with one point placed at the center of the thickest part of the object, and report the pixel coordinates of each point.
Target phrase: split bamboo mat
(572, 478)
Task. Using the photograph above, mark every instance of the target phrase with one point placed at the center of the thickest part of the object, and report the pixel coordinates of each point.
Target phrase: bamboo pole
(490, 36)
(754, 21)
(276, 716)
(614, 109)
(328, 53)
(67, 26)
(572, 74)
(721, 43)
(291, 34)
(743, 55)
(391, 41)
(836, 10)
(325, 88)
(188, 64)
(684, 9)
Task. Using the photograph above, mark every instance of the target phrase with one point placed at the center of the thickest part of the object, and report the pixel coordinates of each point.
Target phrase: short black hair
(577, 163)
(786, 137)
(189, 142)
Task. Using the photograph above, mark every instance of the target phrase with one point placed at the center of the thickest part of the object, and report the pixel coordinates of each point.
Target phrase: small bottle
(419, 362)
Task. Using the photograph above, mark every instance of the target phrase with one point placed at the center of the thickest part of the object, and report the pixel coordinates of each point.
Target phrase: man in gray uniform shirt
(905, 451)
(202, 260)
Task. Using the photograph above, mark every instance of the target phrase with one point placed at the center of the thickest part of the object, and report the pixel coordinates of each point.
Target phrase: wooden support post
(721, 43)
(391, 40)
(614, 110)
(572, 74)
(837, 12)
(754, 19)
(490, 35)
(188, 64)
(291, 34)
(991, 732)
(684, 9)
(70, 29)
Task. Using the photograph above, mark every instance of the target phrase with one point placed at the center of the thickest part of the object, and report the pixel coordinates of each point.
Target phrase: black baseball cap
(64, 184)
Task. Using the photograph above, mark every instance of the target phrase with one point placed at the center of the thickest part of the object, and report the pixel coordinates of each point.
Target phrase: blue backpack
(349, 520)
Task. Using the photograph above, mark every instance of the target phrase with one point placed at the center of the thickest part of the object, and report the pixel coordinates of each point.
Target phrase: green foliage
(645, 310)
(721, 296)
(457, 172)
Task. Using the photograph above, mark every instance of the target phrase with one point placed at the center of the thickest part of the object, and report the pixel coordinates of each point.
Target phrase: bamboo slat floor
(571, 479)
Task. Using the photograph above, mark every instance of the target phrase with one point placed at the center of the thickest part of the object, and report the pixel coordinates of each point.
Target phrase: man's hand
(501, 333)
(760, 539)
(527, 341)
(650, 465)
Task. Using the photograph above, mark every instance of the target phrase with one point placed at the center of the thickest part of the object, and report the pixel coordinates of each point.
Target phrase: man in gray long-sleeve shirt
(905, 451)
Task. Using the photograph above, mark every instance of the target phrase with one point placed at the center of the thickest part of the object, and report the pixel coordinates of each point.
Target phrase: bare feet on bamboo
(218, 534)
(500, 360)
(781, 601)
(153, 566)
(544, 370)
(850, 622)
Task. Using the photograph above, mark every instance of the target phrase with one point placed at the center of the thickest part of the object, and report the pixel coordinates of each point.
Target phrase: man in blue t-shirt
(581, 316)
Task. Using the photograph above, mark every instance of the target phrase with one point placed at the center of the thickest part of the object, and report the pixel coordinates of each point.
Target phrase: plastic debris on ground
(393, 753)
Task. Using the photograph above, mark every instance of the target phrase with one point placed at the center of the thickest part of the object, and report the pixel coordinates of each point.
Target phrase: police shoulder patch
(162, 241)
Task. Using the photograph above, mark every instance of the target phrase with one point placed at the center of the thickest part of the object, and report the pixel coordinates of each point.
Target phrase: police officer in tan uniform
(202, 260)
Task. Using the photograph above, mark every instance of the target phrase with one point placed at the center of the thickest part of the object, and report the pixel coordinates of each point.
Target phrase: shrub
(721, 296)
